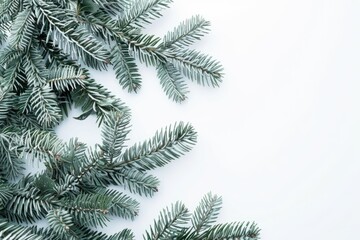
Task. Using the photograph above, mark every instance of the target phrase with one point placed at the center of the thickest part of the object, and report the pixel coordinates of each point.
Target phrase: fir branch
(69, 183)
(14, 77)
(27, 205)
(44, 183)
(44, 105)
(125, 234)
(144, 48)
(60, 221)
(26, 121)
(35, 69)
(170, 223)
(9, 55)
(11, 62)
(4, 29)
(10, 231)
(206, 213)
(125, 67)
(88, 233)
(96, 23)
(134, 181)
(187, 32)
(197, 67)
(66, 78)
(9, 9)
(41, 78)
(143, 12)
(62, 3)
(23, 30)
(53, 55)
(71, 153)
(12, 164)
(5, 195)
(7, 101)
(65, 103)
(95, 98)
(113, 7)
(88, 209)
(166, 145)
(121, 205)
(115, 128)
(42, 144)
(168, 226)
(79, 43)
(172, 82)
(242, 231)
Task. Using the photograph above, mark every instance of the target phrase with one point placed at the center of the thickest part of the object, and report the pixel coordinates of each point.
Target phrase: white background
(279, 140)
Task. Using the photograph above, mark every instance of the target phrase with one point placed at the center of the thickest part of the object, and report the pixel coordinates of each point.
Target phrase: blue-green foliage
(47, 47)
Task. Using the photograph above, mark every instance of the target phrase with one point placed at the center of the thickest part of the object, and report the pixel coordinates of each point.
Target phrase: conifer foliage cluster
(47, 46)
